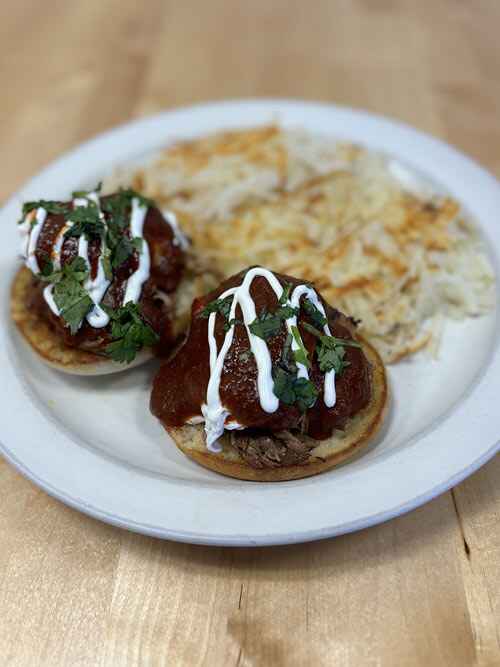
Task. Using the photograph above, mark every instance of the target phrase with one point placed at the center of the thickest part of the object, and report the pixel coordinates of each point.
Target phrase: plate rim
(245, 539)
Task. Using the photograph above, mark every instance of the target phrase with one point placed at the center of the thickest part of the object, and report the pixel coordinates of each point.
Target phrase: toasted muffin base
(50, 348)
(327, 454)
(48, 345)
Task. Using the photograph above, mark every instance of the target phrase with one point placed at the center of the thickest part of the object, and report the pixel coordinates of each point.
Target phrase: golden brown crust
(46, 342)
(327, 454)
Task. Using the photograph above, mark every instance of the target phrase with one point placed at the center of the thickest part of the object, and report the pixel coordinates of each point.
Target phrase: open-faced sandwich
(281, 381)
(101, 281)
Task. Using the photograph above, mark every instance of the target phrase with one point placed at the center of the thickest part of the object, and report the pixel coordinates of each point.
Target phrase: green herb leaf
(314, 314)
(122, 251)
(130, 193)
(69, 295)
(82, 194)
(292, 390)
(330, 341)
(86, 221)
(286, 294)
(222, 306)
(130, 333)
(55, 207)
(301, 355)
(284, 386)
(231, 323)
(137, 242)
(331, 359)
(267, 324)
(106, 264)
(306, 394)
(331, 350)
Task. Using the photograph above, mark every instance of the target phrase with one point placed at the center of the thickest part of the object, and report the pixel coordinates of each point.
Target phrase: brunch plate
(93, 444)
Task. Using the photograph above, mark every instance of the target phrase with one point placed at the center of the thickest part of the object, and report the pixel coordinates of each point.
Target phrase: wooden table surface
(420, 590)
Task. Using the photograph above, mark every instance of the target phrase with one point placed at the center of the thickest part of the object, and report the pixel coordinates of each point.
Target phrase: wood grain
(420, 590)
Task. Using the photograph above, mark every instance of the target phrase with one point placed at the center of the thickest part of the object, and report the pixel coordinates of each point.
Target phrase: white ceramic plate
(93, 444)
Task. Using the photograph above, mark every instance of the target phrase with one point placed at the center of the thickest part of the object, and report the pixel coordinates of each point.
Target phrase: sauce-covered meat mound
(105, 270)
(265, 355)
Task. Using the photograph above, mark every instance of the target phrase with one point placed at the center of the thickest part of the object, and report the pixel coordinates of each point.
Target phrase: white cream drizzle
(139, 277)
(214, 413)
(180, 239)
(97, 287)
(30, 231)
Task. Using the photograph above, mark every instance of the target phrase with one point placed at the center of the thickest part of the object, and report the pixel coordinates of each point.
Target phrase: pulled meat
(272, 450)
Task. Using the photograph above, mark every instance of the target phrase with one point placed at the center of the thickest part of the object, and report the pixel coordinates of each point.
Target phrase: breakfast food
(378, 241)
(98, 289)
(284, 385)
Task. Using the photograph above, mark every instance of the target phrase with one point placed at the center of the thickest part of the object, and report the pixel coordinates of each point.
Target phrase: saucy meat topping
(180, 387)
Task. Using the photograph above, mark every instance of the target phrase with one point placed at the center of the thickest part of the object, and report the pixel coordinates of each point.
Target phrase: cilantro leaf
(222, 306)
(81, 194)
(130, 193)
(73, 302)
(301, 355)
(106, 264)
(289, 388)
(314, 314)
(330, 340)
(55, 207)
(123, 249)
(292, 390)
(331, 359)
(130, 333)
(117, 209)
(331, 350)
(267, 324)
(286, 294)
(306, 393)
(86, 221)
(283, 386)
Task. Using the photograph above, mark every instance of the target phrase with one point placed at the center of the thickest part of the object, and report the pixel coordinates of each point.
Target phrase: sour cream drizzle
(30, 232)
(214, 413)
(179, 238)
(139, 277)
(96, 287)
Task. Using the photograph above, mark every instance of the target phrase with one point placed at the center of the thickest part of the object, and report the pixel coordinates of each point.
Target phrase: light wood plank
(420, 590)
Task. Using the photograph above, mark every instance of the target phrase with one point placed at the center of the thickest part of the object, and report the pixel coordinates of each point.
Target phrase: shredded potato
(380, 248)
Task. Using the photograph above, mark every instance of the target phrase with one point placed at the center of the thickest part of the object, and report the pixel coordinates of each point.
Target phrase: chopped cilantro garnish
(330, 350)
(287, 386)
(124, 248)
(222, 306)
(267, 324)
(301, 355)
(117, 210)
(286, 294)
(82, 194)
(293, 390)
(130, 333)
(69, 295)
(50, 206)
(331, 358)
(86, 221)
(106, 264)
(314, 314)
